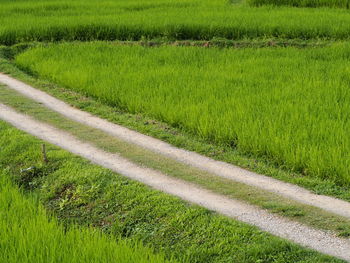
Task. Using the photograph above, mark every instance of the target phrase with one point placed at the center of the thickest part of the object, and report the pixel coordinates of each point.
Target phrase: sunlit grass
(52, 20)
(28, 235)
(290, 105)
(303, 3)
(74, 190)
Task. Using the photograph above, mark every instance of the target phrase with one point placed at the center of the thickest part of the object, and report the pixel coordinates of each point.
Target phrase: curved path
(218, 168)
(312, 238)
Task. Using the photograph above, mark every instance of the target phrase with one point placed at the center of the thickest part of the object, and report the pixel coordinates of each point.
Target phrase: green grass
(303, 3)
(77, 191)
(302, 128)
(286, 104)
(305, 214)
(28, 234)
(53, 20)
(163, 131)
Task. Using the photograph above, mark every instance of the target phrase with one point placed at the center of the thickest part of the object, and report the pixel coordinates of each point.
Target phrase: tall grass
(289, 105)
(52, 20)
(28, 235)
(303, 3)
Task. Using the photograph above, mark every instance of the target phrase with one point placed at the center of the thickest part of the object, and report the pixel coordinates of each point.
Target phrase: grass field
(287, 104)
(52, 20)
(77, 191)
(28, 235)
(276, 103)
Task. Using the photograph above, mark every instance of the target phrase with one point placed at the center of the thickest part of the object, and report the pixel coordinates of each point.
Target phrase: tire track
(218, 168)
(318, 240)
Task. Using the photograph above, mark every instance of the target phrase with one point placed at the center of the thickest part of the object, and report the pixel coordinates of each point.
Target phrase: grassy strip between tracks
(77, 191)
(182, 139)
(274, 203)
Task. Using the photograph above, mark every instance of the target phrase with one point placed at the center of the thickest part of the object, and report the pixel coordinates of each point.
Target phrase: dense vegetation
(303, 3)
(53, 20)
(75, 190)
(28, 235)
(288, 104)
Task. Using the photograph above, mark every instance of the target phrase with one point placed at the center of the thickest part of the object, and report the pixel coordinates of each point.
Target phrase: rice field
(286, 107)
(286, 104)
(28, 235)
(52, 20)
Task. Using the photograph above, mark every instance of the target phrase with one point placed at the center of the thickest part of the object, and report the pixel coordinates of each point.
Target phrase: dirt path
(321, 241)
(218, 168)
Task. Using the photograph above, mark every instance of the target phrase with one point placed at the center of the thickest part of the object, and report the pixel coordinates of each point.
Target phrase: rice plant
(52, 20)
(289, 105)
(303, 3)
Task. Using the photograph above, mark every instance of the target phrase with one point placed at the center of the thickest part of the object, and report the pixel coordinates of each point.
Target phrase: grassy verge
(274, 203)
(77, 191)
(28, 234)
